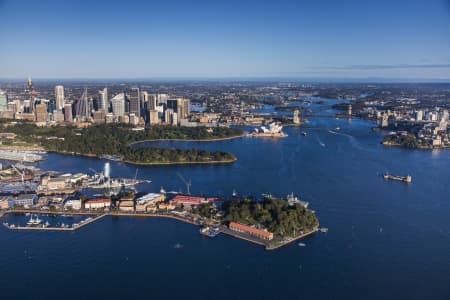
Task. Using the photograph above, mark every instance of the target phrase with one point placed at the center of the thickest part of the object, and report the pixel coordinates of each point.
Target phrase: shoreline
(223, 228)
(89, 155)
(190, 140)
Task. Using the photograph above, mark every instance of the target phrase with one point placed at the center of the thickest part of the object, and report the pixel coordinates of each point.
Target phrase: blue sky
(193, 39)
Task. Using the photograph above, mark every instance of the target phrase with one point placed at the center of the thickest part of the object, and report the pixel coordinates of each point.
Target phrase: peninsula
(121, 141)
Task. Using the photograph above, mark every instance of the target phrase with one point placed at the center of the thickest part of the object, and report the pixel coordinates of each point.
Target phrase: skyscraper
(59, 97)
(135, 103)
(82, 107)
(41, 112)
(152, 101)
(3, 101)
(144, 100)
(103, 100)
(68, 113)
(118, 104)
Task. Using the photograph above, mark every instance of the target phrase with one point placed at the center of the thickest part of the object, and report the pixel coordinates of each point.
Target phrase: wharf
(38, 228)
(268, 245)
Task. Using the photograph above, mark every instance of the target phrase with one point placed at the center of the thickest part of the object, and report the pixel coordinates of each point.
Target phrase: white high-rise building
(59, 97)
(118, 104)
(419, 115)
(103, 100)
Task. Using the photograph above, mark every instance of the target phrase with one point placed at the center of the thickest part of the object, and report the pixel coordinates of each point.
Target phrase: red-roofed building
(259, 233)
(97, 203)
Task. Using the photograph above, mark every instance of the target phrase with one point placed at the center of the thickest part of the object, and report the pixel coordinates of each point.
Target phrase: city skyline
(340, 41)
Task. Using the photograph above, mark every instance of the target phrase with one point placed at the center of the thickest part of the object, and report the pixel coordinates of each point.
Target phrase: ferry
(210, 231)
(406, 179)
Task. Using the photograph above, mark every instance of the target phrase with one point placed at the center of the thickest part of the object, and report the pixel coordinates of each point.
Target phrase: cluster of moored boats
(36, 222)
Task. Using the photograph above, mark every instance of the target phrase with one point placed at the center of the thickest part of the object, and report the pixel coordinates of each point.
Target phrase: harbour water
(386, 239)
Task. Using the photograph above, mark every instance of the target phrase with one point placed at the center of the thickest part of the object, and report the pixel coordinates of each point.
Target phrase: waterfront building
(68, 113)
(73, 204)
(189, 201)
(118, 104)
(148, 202)
(99, 203)
(25, 200)
(135, 106)
(59, 97)
(103, 100)
(41, 112)
(4, 202)
(3, 101)
(259, 233)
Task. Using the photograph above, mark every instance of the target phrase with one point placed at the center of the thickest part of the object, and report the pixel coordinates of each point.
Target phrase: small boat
(210, 231)
(304, 133)
(324, 230)
(337, 128)
(301, 244)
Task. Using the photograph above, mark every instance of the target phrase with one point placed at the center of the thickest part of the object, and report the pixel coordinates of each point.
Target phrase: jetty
(49, 228)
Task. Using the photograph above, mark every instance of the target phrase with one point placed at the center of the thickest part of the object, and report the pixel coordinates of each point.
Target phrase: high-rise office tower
(144, 100)
(118, 104)
(59, 97)
(152, 101)
(68, 113)
(3, 101)
(168, 116)
(135, 103)
(162, 98)
(41, 112)
(103, 100)
(82, 111)
(173, 104)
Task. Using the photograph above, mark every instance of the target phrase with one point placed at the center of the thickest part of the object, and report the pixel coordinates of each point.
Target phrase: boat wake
(320, 142)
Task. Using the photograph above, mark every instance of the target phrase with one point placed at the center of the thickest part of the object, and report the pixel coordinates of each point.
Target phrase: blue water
(386, 240)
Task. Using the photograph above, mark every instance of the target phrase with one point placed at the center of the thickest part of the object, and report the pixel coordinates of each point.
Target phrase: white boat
(301, 244)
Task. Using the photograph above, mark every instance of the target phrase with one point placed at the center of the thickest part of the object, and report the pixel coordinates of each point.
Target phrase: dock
(41, 228)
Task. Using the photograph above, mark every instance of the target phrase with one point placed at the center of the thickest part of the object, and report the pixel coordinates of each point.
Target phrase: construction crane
(187, 183)
(21, 174)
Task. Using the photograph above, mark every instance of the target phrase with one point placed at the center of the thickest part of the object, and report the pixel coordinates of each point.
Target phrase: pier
(41, 228)
(192, 220)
